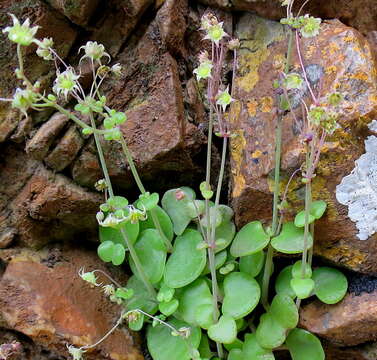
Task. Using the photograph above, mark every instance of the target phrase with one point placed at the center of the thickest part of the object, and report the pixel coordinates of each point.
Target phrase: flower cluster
(307, 25)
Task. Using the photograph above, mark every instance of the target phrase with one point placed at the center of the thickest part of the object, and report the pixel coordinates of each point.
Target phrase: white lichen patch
(358, 190)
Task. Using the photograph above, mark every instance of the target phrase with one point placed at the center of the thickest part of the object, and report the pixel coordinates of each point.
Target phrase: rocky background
(47, 168)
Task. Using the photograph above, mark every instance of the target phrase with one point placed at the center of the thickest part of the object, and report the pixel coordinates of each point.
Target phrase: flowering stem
(143, 277)
(141, 187)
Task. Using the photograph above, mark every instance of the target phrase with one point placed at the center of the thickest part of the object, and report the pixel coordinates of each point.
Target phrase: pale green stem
(310, 252)
(101, 157)
(21, 66)
(141, 187)
(139, 267)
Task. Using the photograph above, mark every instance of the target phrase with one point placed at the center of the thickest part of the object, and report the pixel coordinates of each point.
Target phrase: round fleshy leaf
(270, 334)
(302, 287)
(142, 299)
(235, 354)
(174, 202)
(225, 331)
(215, 216)
(297, 270)
(284, 310)
(224, 235)
(238, 344)
(192, 300)
(249, 240)
(318, 208)
(137, 324)
(105, 251)
(164, 220)
(300, 219)
(220, 259)
(150, 249)
(252, 264)
(304, 346)
(330, 285)
(187, 261)
(115, 236)
(283, 282)
(162, 345)
(253, 351)
(241, 295)
(291, 240)
(147, 201)
(168, 308)
(119, 254)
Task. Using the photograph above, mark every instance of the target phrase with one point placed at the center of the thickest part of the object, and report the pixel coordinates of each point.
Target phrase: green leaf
(119, 254)
(302, 287)
(304, 346)
(206, 191)
(117, 202)
(151, 251)
(195, 302)
(204, 349)
(252, 264)
(142, 299)
(115, 235)
(237, 344)
(293, 81)
(215, 216)
(226, 212)
(224, 235)
(300, 219)
(162, 345)
(225, 331)
(253, 351)
(291, 240)
(270, 334)
(330, 285)
(105, 251)
(283, 282)
(186, 262)
(164, 220)
(165, 293)
(147, 201)
(249, 240)
(174, 202)
(137, 324)
(235, 354)
(284, 310)
(318, 208)
(124, 293)
(220, 259)
(297, 270)
(168, 308)
(241, 295)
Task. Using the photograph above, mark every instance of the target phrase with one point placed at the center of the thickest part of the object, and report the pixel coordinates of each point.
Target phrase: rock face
(351, 322)
(339, 59)
(52, 25)
(160, 138)
(360, 14)
(42, 297)
(38, 206)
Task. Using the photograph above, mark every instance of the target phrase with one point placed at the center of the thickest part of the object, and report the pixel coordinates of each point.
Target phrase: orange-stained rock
(52, 24)
(360, 14)
(163, 142)
(351, 322)
(42, 297)
(339, 59)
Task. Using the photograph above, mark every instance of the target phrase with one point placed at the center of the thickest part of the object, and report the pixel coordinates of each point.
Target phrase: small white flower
(21, 34)
(204, 70)
(76, 353)
(94, 51)
(116, 69)
(224, 99)
(108, 290)
(89, 277)
(66, 82)
(216, 33)
(44, 48)
(23, 99)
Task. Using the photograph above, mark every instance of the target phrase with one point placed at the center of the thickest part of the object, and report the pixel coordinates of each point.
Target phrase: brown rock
(339, 58)
(39, 145)
(119, 19)
(39, 206)
(52, 25)
(162, 142)
(171, 19)
(42, 297)
(78, 11)
(351, 322)
(360, 14)
(66, 150)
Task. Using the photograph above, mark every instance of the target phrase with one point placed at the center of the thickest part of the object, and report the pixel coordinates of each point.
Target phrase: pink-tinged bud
(307, 138)
(180, 195)
(233, 44)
